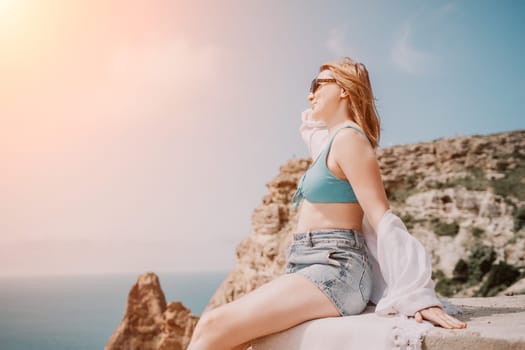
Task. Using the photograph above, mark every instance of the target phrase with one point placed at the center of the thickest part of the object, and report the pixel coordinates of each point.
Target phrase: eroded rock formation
(150, 323)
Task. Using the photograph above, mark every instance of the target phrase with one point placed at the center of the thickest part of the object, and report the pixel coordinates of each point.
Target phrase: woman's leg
(277, 305)
(243, 346)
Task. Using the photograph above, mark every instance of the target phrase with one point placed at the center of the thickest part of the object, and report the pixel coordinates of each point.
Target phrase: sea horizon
(81, 311)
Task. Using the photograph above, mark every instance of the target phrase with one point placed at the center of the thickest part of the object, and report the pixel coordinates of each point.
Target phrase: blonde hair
(353, 77)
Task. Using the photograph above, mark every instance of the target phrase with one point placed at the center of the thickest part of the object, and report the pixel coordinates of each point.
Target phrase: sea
(81, 312)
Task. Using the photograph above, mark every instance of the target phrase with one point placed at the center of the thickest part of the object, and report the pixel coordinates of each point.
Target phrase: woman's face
(325, 99)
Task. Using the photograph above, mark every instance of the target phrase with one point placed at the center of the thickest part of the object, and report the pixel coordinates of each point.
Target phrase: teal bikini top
(319, 185)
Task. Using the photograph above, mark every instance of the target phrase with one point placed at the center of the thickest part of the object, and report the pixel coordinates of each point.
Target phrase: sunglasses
(316, 82)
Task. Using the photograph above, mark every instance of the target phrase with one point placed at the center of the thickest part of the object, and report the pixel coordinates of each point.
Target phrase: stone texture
(149, 323)
(492, 323)
(516, 288)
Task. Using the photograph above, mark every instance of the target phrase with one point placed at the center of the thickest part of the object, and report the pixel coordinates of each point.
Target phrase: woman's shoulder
(350, 143)
(352, 129)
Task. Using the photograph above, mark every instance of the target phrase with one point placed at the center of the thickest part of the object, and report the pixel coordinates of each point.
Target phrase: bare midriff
(313, 216)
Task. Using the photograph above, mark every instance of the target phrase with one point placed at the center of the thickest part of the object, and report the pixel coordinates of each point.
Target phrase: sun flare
(10, 17)
(7, 8)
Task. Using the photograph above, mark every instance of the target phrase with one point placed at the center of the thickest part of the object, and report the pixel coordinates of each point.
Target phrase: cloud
(409, 58)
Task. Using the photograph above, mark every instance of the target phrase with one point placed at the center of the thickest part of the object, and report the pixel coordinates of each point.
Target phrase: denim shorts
(336, 261)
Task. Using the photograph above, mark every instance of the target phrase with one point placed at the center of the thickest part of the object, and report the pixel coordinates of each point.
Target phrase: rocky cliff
(463, 198)
(150, 323)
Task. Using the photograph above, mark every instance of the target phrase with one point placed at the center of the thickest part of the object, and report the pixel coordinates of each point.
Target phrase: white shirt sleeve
(404, 265)
(314, 133)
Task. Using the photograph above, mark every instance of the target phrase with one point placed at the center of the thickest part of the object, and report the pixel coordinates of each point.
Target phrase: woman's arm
(357, 159)
(406, 273)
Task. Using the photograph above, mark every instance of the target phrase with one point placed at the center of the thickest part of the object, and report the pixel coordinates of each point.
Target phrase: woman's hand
(438, 317)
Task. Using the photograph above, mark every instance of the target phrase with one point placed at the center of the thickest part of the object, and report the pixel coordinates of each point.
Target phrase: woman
(328, 269)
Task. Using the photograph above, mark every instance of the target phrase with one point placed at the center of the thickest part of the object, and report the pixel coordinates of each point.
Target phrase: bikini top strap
(347, 126)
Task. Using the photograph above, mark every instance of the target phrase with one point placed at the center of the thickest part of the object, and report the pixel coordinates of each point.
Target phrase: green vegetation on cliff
(479, 267)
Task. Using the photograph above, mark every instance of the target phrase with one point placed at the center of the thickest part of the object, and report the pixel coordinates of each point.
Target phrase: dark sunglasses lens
(313, 87)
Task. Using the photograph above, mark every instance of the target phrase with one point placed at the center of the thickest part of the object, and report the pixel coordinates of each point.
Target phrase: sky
(139, 136)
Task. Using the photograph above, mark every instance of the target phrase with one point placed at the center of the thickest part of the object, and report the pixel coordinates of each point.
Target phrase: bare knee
(208, 321)
(206, 334)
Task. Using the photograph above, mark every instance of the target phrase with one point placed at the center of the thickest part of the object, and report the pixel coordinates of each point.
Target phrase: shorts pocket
(289, 267)
(365, 283)
(314, 257)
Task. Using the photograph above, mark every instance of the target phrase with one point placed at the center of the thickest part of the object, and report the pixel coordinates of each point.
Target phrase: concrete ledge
(493, 323)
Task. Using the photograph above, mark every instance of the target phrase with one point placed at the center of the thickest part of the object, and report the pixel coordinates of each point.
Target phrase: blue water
(81, 312)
